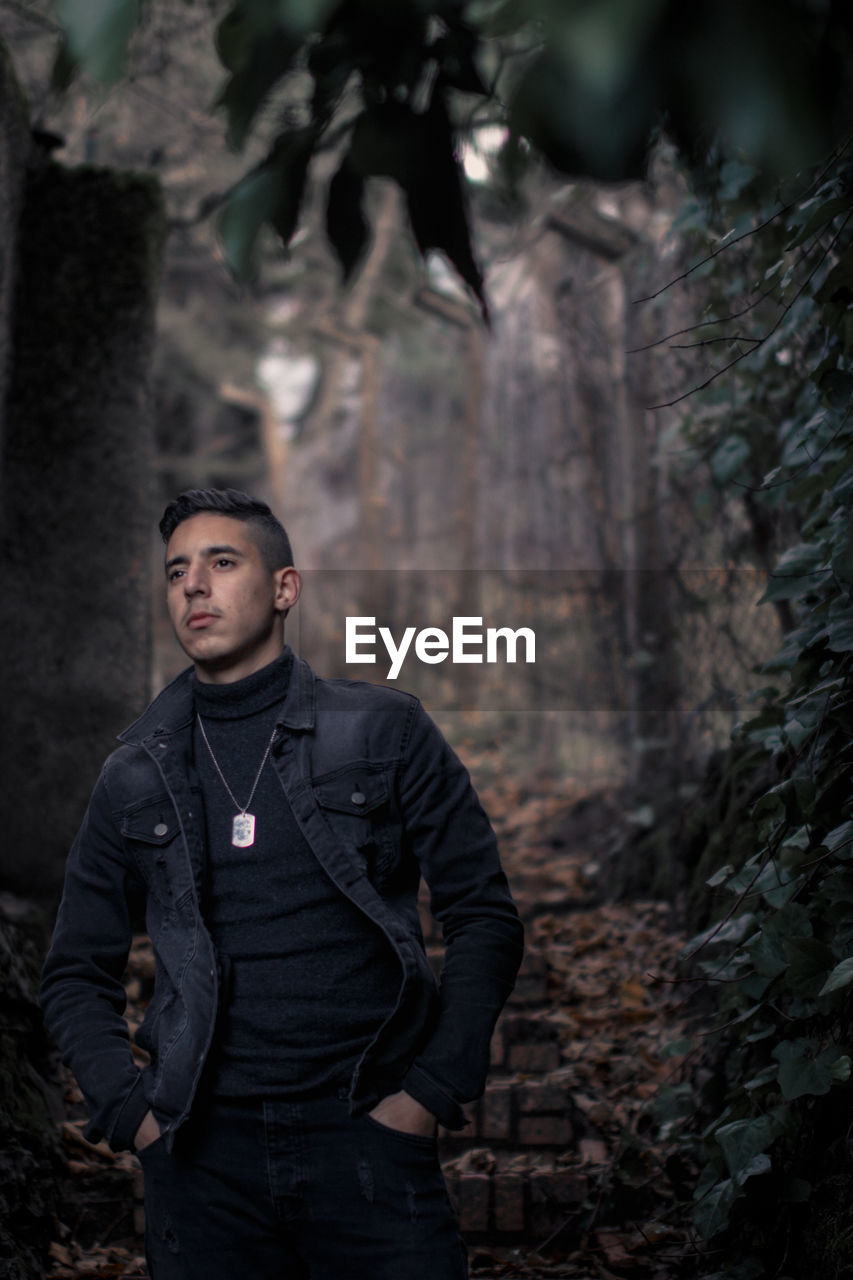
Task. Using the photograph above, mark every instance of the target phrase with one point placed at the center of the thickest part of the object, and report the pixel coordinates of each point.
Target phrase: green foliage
(393, 86)
(779, 442)
(98, 35)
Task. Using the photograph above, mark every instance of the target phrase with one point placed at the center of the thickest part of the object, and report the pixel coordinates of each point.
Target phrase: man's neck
(230, 674)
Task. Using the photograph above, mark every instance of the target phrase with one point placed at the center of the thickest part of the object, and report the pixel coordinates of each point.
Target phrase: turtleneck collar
(244, 697)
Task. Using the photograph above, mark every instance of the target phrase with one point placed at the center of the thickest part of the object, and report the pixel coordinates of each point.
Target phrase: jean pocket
(151, 1148)
(427, 1141)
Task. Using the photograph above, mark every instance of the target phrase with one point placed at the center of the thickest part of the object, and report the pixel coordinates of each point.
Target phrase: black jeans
(275, 1190)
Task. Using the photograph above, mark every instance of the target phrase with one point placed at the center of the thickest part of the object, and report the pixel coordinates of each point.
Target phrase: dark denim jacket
(381, 799)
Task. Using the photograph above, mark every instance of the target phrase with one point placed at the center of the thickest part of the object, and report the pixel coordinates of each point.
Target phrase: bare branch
(759, 342)
(754, 230)
(703, 324)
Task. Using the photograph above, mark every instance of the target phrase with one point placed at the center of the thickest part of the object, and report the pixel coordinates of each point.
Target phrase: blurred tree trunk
(83, 250)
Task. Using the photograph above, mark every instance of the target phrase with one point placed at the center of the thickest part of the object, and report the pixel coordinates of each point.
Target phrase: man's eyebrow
(207, 551)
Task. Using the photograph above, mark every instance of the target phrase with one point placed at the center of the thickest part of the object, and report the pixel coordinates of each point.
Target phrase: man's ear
(288, 584)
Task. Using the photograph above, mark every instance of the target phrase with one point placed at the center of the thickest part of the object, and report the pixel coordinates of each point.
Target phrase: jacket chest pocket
(357, 805)
(153, 836)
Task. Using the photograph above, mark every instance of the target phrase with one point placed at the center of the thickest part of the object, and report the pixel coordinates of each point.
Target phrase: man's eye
(174, 574)
(223, 560)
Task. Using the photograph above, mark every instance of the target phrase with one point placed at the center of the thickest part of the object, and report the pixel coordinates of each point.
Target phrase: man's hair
(268, 532)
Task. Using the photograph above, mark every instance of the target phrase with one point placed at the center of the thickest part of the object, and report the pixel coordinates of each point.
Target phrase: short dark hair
(269, 533)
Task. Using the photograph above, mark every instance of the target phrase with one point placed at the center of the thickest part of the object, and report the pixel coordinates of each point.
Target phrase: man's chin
(205, 655)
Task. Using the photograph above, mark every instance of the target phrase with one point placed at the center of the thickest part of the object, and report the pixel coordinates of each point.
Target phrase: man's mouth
(198, 620)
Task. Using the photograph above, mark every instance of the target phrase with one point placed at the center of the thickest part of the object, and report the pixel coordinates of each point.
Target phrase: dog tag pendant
(243, 830)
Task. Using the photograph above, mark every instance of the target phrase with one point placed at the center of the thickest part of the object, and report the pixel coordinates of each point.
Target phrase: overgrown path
(565, 1169)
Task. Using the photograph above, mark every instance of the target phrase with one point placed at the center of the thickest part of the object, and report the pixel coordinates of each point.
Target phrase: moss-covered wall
(14, 150)
(76, 507)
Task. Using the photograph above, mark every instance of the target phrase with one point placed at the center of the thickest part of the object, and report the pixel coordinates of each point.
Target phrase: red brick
(473, 1201)
(542, 1095)
(509, 1202)
(496, 1111)
(541, 1057)
(553, 1196)
(544, 1130)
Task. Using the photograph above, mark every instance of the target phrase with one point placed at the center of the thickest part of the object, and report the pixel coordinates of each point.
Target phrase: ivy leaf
(836, 387)
(841, 1069)
(98, 32)
(841, 976)
(720, 877)
(345, 222)
(385, 143)
(842, 563)
(711, 1214)
(801, 1072)
(839, 636)
(809, 961)
(825, 212)
(729, 934)
(840, 840)
(839, 283)
(233, 39)
(798, 569)
(742, 1141)
(770, 952)
(502, 18)
(728, 458)
(765, 1076)
(269, 193)
(64, 67)
(290, 157)
(246, 210)
(435, 196)
(270, 54)
(585, 125)
(734, 176)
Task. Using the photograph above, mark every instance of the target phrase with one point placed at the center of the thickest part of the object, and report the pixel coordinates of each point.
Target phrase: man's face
(226, 606)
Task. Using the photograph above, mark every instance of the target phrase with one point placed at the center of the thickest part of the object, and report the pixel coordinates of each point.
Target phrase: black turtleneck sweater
(310, 977)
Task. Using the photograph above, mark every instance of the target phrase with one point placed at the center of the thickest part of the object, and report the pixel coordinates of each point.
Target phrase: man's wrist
(148, 1132)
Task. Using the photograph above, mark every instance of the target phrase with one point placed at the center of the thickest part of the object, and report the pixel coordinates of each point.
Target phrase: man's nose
(195, 581)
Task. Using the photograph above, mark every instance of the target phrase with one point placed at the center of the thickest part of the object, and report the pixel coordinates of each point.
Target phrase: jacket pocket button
(160, 829)
(357, 797)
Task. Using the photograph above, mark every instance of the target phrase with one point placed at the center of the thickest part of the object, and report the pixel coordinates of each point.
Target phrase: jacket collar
(173, 710)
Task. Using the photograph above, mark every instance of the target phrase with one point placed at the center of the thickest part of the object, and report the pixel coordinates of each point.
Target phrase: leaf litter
(623, 1026)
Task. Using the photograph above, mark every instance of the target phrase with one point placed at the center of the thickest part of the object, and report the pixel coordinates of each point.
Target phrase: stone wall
(76, 513)
(79, 262)
(14, 150)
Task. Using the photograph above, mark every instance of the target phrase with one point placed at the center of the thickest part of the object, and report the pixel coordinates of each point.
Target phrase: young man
(274, 827)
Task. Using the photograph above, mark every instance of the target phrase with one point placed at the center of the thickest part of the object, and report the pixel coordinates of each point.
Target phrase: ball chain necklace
(243, 822)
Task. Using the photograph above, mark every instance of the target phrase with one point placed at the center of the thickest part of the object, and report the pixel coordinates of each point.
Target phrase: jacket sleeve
(81, 992)
(453, 840)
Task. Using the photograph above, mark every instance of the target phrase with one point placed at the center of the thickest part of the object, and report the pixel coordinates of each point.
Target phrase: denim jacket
(382, 799)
